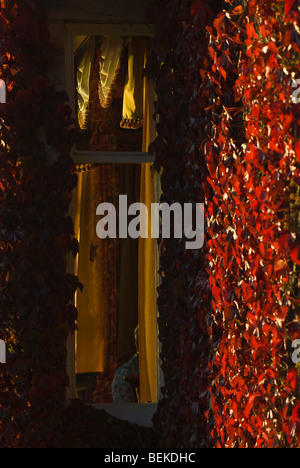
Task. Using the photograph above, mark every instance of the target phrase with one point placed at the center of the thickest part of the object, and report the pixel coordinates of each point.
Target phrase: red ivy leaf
(289, 5)
(250, 405)
(251, 32)
(238, 10)
(219, 23)
(296, 413)
(292, 379)
(295, 255)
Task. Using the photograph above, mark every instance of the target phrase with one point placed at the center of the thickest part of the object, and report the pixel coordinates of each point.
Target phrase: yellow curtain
(96, 269)
(148, 266)
(83, 81)
(89, 345)
(132, 116)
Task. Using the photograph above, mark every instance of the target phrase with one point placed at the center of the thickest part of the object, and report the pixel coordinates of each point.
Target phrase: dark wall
(96, 10)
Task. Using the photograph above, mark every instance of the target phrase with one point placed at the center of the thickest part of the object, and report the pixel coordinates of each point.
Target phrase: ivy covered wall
(36, 238)
(228, 136)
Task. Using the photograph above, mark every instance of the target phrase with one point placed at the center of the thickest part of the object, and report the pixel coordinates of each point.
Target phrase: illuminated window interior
(116, 342)
(110, 92)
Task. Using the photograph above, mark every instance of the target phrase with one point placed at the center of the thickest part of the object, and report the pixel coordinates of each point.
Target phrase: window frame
(96, 29)
(145, 410)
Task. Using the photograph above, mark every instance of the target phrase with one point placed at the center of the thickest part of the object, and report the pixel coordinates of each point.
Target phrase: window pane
(108, 306)
(109, 82)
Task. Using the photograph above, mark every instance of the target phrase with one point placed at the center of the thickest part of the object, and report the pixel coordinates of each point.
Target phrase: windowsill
(88, 157)
(136, 413)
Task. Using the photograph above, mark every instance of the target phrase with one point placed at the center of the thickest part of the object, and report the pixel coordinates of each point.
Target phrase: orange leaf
(238, 10)
(292, 379)
(250, 405)
(289, 5)
(295, 255)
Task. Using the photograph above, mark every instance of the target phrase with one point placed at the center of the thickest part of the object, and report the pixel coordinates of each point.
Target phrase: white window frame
(138, 413)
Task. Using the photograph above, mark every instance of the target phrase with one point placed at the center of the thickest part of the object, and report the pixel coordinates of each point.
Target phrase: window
(80, 38)
(113, 101)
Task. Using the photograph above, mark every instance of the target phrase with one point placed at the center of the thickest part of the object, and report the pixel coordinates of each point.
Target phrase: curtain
(148, 266)
(86, 54)
(110, 51)
(89, 345)
(105, 132)
(98, 271)
(109, 67)
(132, 115)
